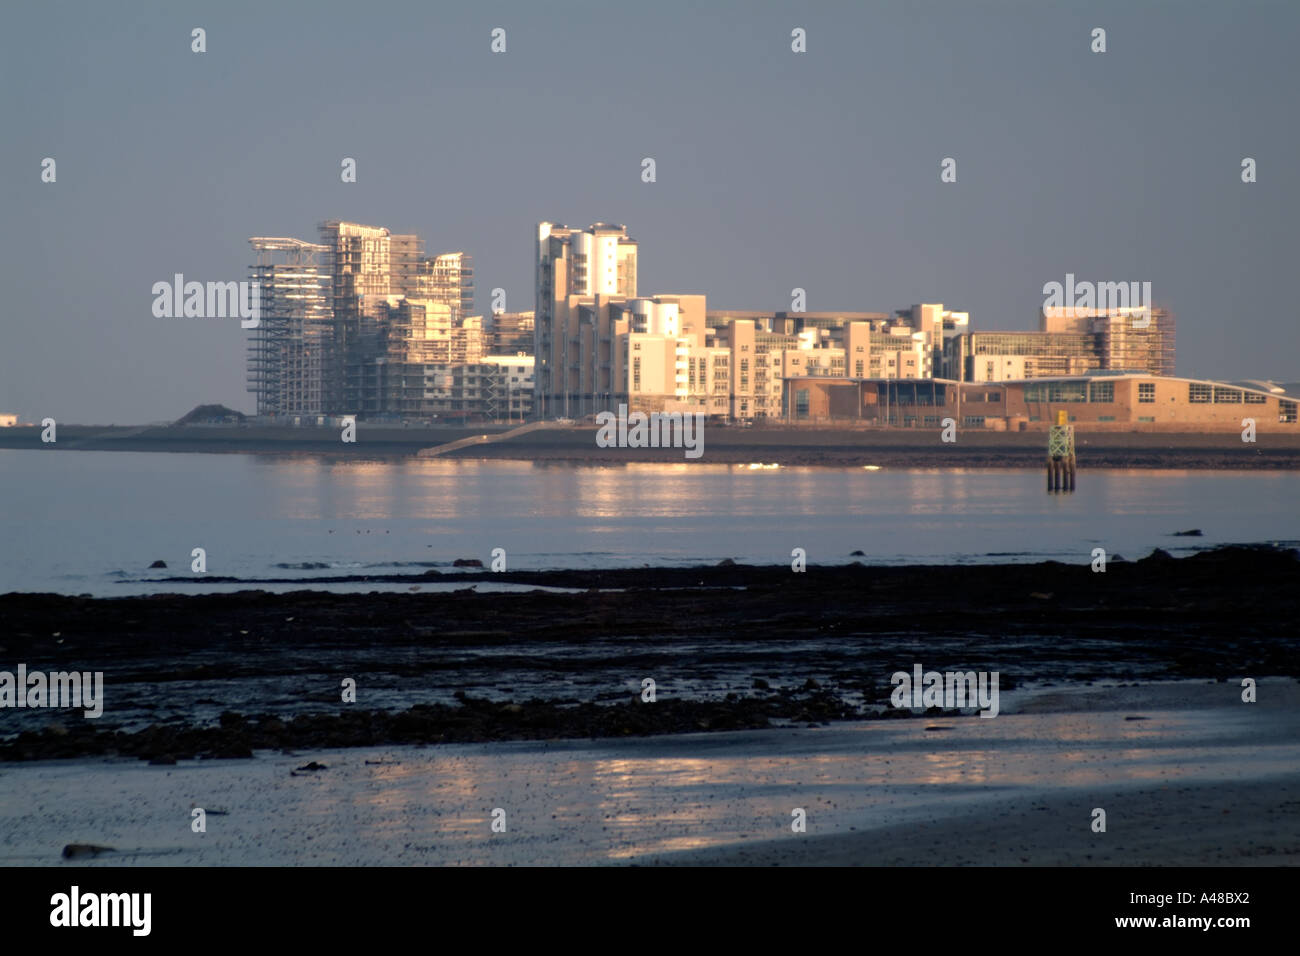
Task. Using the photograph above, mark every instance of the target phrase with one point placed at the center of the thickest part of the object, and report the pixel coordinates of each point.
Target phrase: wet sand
(1190, 783)
(1201, 779)
(1119, 690)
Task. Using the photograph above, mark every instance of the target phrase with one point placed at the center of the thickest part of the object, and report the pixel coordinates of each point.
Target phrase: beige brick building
(1101, 402)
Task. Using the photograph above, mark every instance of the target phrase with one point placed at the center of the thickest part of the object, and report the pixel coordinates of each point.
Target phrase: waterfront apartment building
(1070, 341)
(755, 355)
(364, 323)
(577, 273)
(598, 343)
(672, 354)
(768, 348)
(875, 344)
(937, 328)
(660, 357)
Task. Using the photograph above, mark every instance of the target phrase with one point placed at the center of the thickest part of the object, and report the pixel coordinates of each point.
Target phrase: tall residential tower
(574, 357)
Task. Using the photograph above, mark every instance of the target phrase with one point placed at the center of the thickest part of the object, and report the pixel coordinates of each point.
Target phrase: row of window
(1099, 392)
(1199, 394)
(1103, 392)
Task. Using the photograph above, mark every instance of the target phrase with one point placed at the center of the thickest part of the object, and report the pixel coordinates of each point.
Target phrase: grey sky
(775, 169)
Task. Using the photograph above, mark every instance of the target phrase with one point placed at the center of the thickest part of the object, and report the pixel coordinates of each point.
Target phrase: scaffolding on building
(370, 269)
(449, 279)
(290, 348)
(1141, 341)
(357, 322)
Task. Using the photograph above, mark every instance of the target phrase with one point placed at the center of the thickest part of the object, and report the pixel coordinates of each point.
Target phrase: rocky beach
(728, 647)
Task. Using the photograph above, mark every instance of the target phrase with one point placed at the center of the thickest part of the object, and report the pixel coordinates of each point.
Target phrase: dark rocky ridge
(808, 647)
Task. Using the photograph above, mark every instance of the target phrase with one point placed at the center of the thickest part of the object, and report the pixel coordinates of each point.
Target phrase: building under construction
(371, 269)
(509, 333)
(349, 322)
(292, 348)
(1129, 342)
(449, 279)
(1119, 340)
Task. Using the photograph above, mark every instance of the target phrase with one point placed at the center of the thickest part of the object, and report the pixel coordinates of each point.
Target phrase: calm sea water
(92, 522)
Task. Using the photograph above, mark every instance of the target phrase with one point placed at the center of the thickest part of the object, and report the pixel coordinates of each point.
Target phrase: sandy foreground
(1202, 779)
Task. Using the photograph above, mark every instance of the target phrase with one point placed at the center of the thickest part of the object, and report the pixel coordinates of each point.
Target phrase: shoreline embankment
(828, 446)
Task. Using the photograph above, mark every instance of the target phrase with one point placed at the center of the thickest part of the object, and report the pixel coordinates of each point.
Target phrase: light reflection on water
(586, 802)
(119, 511)
(629, 804)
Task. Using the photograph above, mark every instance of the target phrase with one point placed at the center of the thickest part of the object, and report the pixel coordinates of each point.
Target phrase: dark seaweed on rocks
(803, 648)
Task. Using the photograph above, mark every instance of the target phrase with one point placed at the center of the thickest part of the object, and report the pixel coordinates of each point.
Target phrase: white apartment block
(997, 368)
(599, 344)
(660, 360)
(578, 273)
(738, 367)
